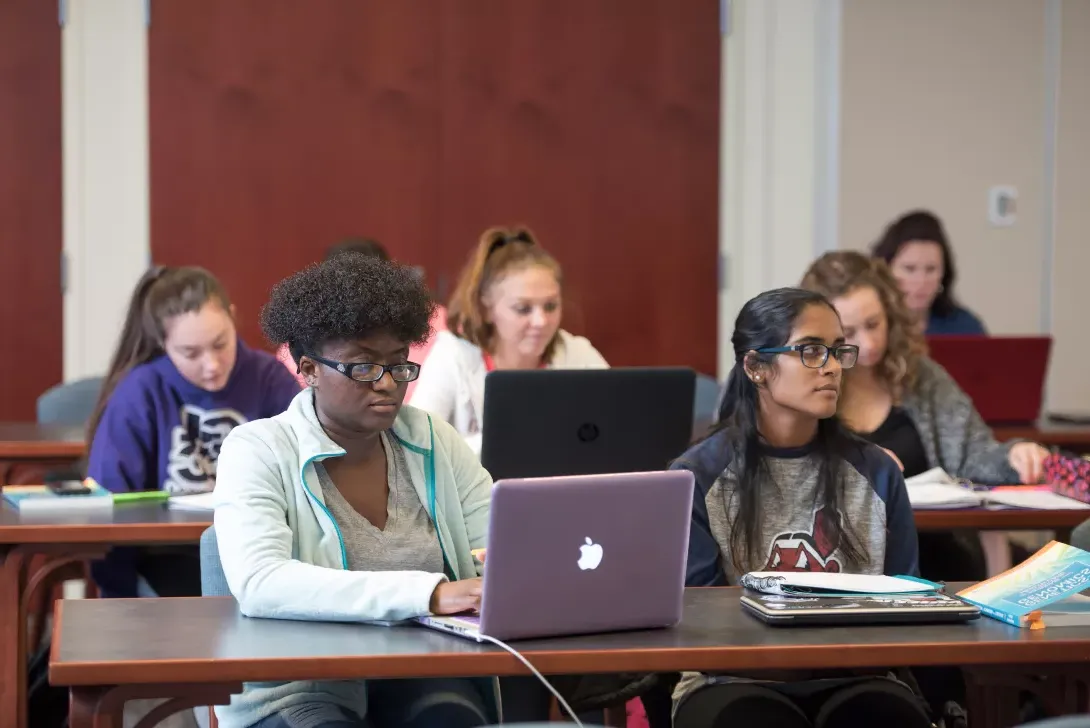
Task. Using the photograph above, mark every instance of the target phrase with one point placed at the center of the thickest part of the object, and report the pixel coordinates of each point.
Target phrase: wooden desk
(28, 450)
(1008, 519)
(1049, 434)
(67, 539)
(110, 651)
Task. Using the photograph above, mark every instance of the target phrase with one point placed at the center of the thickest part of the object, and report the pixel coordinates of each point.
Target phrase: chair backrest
(1070, 721)
(213, 581)
(705, 403)
(69, 404)
(1080, 537)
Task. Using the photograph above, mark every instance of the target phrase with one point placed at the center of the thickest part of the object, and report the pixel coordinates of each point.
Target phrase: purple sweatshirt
(161, 432)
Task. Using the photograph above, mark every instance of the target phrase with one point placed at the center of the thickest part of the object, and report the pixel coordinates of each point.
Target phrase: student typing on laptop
(782, 486)
(919, 255)
(350, 507)
(505, 314)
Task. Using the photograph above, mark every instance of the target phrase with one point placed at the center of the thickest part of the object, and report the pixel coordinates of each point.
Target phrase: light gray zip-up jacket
(283, 554)
(954, 436)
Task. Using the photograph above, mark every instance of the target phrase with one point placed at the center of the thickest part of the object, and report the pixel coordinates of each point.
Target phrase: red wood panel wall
(278, 127)
(596, 123)
(30, 205)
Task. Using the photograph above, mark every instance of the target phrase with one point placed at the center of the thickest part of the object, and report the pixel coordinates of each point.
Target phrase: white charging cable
(538, 675)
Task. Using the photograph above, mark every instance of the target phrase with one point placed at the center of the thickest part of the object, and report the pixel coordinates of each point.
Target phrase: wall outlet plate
(1002, 205)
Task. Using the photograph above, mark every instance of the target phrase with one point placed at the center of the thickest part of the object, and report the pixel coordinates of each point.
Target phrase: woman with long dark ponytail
(179, 381)
(781, 486)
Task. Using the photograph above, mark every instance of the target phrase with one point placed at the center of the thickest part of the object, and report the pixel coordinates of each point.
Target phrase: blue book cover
(1034, 593)
(41, 498)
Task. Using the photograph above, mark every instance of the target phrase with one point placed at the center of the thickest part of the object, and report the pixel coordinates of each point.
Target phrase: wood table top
(207, 640)
(1002, 519)
(1048, 433)
(30, 440)
(130, 523)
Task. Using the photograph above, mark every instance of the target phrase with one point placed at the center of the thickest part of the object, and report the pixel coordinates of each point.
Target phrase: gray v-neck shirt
(409, 541)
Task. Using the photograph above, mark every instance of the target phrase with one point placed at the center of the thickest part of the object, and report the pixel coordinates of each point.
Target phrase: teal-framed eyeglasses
(815, 356)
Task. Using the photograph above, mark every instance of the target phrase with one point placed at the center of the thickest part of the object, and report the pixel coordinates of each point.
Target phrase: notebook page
(930, 477)
(1044, 500)
(937, 496)
(194, 502)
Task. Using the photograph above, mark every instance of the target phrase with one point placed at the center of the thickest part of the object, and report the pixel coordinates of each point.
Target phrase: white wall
(104, 93)
(778, 161)
(940, 101)
(1069, 384)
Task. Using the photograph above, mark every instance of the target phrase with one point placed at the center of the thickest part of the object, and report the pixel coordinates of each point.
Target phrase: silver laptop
(582, 554)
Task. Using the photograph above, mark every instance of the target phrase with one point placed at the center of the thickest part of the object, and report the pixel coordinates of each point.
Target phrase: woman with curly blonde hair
(899, 398)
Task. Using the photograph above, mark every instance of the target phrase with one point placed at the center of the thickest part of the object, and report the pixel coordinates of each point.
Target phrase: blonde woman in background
(899, 398)
(505, 314)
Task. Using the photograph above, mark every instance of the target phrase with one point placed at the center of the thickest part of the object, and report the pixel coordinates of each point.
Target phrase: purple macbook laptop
(582, 554)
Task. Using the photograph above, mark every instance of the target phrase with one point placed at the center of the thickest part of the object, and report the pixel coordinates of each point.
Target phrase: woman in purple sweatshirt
(180, 380)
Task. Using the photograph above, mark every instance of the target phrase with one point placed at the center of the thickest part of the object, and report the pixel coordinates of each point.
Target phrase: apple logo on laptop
(590, 555)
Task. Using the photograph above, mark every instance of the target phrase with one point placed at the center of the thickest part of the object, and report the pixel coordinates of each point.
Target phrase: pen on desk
(141, 496)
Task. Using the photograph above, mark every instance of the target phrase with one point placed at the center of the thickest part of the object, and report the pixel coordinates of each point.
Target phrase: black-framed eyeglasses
(815, 355)
(368, 373)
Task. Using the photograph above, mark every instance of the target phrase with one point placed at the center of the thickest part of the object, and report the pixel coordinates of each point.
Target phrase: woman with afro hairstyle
(350, 507)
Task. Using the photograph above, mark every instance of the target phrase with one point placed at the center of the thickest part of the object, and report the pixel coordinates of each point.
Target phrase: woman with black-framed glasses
(349, 506)
(782, 486)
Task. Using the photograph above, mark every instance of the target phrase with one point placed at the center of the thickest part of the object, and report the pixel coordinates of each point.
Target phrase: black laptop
(547, 422)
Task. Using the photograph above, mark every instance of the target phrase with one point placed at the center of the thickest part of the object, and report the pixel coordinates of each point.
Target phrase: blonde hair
(839, 273)
(500, 252)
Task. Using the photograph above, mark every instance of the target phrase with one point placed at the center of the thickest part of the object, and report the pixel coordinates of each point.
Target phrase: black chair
(1068, 721)
(1080, 537)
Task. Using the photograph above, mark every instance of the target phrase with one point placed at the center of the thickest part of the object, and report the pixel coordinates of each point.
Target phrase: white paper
(937, 496)
(194, 502)
(930, 477)
(777, 582)
(936, 490)
(1042, 500)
